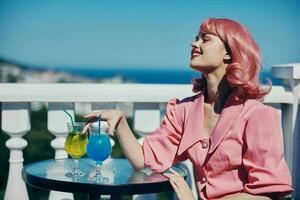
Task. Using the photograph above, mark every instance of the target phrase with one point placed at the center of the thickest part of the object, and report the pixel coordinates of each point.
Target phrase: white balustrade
(146, 117)
(147, 102)
(16, 123)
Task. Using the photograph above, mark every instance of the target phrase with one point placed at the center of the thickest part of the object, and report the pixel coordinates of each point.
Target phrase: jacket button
(204, 179)
(204, 145)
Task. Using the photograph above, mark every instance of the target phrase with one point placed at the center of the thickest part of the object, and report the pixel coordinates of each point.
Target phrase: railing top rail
(288, 71)
(93, 92)
(17, 92)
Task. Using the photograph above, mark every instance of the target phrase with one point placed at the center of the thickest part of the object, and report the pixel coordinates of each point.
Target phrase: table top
(122, 178)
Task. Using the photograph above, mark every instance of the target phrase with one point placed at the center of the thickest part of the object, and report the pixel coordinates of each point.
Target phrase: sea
(153, 76)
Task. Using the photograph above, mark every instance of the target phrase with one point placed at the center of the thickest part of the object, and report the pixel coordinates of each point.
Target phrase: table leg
(93, 196)
(115, 197)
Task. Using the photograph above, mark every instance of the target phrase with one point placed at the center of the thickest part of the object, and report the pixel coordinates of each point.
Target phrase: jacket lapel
(193, 125)
(232, 108)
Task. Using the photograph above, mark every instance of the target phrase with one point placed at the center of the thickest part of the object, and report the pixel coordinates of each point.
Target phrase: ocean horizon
(153, 76)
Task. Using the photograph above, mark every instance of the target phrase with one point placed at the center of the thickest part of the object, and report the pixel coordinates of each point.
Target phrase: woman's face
(208, 53)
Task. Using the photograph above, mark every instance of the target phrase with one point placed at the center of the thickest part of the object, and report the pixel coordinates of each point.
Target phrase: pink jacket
(244, 152)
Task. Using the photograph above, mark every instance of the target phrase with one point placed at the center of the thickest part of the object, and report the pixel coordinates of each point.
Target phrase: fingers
(111, 116)
(176, 189)
(87, 128)
(111, 127)
(179, 185)
(176, 185)
(177, 178)
(111, 130)
(173, 171)
(91, 115)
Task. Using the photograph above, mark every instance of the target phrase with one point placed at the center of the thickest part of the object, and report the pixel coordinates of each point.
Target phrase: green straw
(71, 118)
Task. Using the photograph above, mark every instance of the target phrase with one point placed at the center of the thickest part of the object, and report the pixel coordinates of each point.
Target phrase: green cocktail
(75, 145)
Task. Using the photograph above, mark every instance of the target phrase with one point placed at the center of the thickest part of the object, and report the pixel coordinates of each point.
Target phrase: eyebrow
(206, 35)
(203, 35)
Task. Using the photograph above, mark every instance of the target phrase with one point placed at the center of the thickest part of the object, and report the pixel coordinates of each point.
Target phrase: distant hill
(13, 72)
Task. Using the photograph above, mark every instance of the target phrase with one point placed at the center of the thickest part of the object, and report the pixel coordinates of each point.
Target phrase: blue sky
(136, 33)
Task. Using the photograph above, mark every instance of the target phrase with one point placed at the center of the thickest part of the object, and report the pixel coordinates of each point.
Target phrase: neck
(217, 89)
(215, 83)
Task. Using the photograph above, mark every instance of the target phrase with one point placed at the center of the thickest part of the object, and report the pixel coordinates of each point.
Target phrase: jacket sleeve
(264, 154)
(160, 147)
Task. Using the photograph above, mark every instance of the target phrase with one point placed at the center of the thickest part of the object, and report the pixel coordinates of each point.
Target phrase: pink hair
(243, 70)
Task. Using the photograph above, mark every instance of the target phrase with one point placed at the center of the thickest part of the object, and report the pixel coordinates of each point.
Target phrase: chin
(201, 69)
(195, 66)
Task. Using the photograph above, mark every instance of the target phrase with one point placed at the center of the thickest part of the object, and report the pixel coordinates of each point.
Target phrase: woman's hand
(180, 186)
(112, 117)
(117, 122)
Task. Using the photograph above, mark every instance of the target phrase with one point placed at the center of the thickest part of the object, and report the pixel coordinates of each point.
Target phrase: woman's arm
(118, 126)
(129, 144)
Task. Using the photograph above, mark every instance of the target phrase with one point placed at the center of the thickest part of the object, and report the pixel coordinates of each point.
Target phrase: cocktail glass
(99, 149)
(75, 145)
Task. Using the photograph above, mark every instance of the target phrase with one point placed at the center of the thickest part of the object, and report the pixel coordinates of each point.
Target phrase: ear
(227, 58)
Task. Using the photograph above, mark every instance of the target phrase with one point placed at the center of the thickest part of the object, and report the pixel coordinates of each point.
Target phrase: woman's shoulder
(254, 107)
(181, 107)
(185, 102)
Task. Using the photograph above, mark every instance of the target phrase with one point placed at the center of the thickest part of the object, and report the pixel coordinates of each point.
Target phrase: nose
(196, 44)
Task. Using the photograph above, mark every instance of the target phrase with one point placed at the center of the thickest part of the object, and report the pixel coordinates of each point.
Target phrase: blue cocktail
(99, 149)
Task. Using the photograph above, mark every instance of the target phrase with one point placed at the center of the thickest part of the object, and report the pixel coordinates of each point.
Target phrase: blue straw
(99, 123)
(71, 118)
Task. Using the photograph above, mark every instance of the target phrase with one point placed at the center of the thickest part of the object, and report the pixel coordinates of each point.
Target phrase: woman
(233, 140)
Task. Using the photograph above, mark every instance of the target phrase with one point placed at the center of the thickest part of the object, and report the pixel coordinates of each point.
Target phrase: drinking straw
(99, 123)
(71, 118)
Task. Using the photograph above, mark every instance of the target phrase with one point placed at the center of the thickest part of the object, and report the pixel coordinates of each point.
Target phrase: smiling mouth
(195, 53)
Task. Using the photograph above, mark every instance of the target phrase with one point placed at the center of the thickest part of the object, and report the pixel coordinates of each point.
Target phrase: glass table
(122, 178)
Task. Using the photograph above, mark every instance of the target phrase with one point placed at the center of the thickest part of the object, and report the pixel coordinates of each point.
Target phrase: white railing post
(57, 125)
(290, 74)
(146, 119)
(16, 123)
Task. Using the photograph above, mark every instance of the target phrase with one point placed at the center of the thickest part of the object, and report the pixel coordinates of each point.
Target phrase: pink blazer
(244, 152)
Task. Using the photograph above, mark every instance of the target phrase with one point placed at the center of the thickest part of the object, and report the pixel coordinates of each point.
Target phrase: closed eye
(205, 38)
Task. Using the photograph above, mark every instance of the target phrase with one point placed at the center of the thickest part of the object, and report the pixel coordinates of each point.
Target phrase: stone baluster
(146, 119)
(57, 125)
(16, 123)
